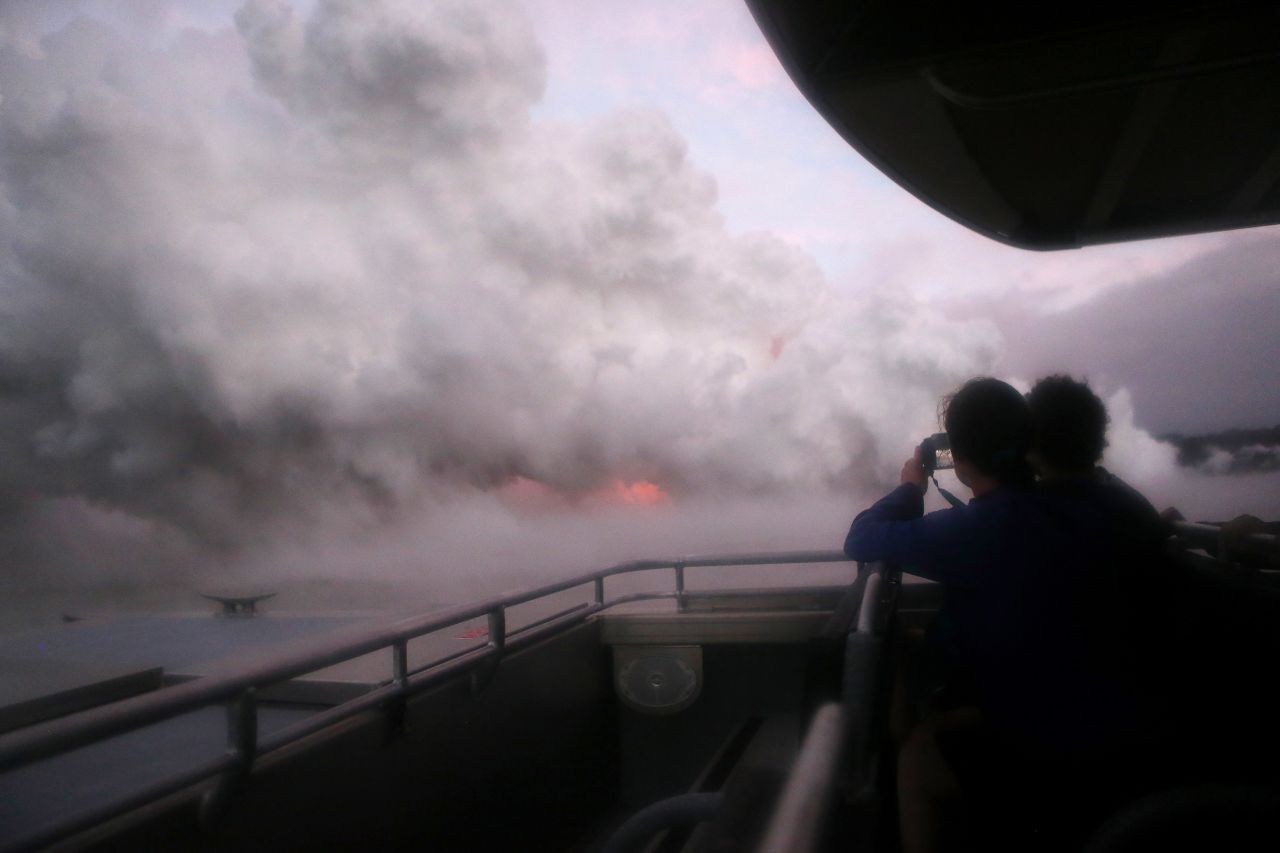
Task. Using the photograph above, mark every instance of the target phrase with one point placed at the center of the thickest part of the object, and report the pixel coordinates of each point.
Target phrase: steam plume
(331, 268)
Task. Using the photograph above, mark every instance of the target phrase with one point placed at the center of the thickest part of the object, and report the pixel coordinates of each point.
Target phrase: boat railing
(1221, 538)
(838, 755)
(238, 686)
(800, 816)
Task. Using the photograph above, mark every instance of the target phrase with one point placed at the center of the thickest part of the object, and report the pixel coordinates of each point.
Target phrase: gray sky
(1197, 346)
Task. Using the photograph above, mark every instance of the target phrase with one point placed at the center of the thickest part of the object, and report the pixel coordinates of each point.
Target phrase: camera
(935, 453)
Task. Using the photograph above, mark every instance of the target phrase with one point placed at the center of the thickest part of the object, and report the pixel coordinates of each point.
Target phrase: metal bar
(846, 610)
(396, 707)
(497, 622)
(400, 661)
(443, 659)
(242, 729)
(681, 604)
(554, 616)
(861, 682)
(869, 608)
(433, 675)
(1211, 534)
(530, 634)
(242, 746)
(633, 597)
(780, 558)
(798, 824)
(67, 733)
(330, 716)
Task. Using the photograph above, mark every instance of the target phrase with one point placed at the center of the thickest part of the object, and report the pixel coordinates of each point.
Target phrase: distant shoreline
(1233, 451)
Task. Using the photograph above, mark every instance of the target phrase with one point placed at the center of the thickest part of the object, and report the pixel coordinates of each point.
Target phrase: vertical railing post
(681, 603)
(599, 585)
(397, 708)
(242, 729)
(400, 662)
(484, 672)
(498, 629)
(242, 746)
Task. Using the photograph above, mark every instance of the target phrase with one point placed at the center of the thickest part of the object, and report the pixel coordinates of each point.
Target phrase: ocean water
(32, 605)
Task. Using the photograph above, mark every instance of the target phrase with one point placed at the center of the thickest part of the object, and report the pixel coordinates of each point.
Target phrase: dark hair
(1070, 423)
(989, 425)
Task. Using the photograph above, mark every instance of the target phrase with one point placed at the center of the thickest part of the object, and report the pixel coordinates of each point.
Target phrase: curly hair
(1070, 423)
(989, 425)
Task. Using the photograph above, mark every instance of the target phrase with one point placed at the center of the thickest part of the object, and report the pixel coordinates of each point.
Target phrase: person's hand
(913, 472)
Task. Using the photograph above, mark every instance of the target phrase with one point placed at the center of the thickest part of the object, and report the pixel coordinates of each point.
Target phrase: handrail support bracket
(242, 746)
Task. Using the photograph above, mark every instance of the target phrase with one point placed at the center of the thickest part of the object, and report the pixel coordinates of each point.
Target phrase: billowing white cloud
(1131, 453)
(329, 269)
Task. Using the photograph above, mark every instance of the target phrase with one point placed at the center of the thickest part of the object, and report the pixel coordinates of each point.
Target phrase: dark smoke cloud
(327, 272)
(1196, 346)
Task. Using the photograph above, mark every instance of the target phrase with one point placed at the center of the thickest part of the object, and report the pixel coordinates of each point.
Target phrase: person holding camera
(1020, 570)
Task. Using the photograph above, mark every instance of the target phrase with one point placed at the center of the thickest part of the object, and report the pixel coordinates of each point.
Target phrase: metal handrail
(799, 820)
(55, 737)
(838, 745)
(1212, 534)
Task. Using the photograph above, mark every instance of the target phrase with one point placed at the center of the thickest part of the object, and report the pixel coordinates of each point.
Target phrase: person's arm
(939, 546)
(874, 534)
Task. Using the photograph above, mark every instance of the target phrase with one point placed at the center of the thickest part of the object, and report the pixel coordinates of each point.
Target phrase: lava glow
(637, 493)
(527, 494)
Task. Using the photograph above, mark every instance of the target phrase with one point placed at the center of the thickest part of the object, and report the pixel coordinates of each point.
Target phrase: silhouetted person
(1177, 625)
(1070, 427)
(1020, 569)
(1070, 434)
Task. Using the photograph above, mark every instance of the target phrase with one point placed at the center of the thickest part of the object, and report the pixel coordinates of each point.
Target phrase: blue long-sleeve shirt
(1030, 576)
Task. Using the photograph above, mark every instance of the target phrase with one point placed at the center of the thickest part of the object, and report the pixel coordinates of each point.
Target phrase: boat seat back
(1243, 819)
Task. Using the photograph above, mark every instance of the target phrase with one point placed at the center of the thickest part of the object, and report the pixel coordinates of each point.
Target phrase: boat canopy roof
(1052, 126)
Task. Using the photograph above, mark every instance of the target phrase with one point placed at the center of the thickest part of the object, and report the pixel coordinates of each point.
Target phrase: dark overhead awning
(1053, 127)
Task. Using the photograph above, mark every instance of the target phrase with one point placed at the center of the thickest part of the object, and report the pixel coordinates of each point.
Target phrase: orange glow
(776, 345)
(528, 495)
(638, 493)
